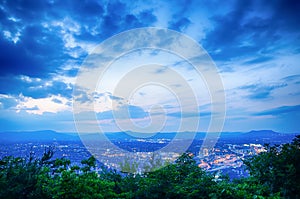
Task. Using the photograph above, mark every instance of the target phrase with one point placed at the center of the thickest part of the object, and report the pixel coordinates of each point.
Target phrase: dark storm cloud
(117, 17)
(16, 59)
(253, 28)
(40, 51)
(37, 50)
(32, 46)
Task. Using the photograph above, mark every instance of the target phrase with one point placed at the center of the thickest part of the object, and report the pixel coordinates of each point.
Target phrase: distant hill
(261, 136)
(36, 136)
(258, 136)
(263, 133)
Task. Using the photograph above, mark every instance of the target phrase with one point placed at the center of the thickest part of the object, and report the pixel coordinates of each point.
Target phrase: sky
(47, 45)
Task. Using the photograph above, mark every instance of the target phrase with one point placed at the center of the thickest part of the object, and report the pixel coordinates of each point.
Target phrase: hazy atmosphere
(254, 45)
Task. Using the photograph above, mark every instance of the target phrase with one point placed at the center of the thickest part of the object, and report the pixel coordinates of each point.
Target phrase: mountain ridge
(253, 136)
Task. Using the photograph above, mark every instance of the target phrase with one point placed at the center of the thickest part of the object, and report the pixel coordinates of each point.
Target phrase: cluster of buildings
(227, 157)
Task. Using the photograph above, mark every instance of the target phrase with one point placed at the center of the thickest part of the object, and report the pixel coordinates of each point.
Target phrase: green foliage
(19, 176)
(278, 168)
(274, 174)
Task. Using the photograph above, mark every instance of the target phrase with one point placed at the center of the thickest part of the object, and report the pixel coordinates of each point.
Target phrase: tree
(278, 168)
(273, 174)
(19, 176)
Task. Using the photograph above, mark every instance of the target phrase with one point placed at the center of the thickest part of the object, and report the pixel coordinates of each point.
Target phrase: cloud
(258, 91)
(253, 28)
(58, 101)
(279, 111)
(258, 60)
(17, 60)
(189, 114)
(134, 112)
(291, 78)
(181, 12)
(34, 87)
(49, 34)
(161, 70)
(40, 42)
(7, 102)
(115, 98)
(180, 25)
(41, 106)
